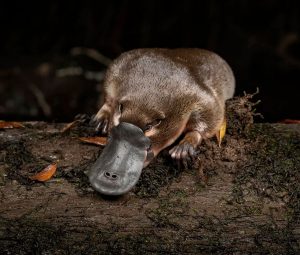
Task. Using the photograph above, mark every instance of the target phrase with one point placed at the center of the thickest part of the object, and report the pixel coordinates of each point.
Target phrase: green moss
(272, 171)
(27, 236)
(282, 239)
(15, 158)
(169, 213)
(156, 176)
(179, 193)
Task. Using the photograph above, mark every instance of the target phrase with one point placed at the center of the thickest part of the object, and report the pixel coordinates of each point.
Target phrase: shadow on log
(242, 198)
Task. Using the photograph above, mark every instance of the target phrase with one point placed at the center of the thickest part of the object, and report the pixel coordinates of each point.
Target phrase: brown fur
(184, 88)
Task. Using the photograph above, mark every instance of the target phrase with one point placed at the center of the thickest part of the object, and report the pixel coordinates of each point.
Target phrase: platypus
(156, 96)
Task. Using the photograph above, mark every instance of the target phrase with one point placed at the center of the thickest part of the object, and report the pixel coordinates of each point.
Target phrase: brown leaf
(45, 174)
(10, 124)
(290, 121)
(69, 126)
(95, 140)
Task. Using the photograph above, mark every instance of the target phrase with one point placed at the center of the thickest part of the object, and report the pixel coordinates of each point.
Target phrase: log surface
(242, 198)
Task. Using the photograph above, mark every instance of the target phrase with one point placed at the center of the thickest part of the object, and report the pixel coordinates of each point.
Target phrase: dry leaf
(290, 121)
(45, 174)
(69, 126)
(95, 140)
(10, 124)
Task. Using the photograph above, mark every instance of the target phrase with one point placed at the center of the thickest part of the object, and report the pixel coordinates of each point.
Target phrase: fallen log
(240, 198)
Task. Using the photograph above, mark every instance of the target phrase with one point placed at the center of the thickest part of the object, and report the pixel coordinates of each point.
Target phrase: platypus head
(141, 131)
(120, 164)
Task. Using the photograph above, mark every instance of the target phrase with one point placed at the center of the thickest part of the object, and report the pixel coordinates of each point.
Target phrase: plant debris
(10, 124)
(94, 140)
(290, 121)
(70, 125)
(45, 174)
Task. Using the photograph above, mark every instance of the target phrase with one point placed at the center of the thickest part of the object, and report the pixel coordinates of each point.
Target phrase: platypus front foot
(101, 121)
(187, 146)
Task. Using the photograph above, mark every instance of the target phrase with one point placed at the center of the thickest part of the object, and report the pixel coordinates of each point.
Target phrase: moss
(240, 114)
(25, 236)
(282, 238)
(16, 153)
(271, 173)
(18, 161)
(168, 213)
(78, 176)
(156, 176)
(272, 170)
(180, 193)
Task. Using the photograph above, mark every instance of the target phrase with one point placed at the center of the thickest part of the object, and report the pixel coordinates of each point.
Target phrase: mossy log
(241, 198)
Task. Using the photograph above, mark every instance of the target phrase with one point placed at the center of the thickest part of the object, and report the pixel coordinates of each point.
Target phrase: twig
(41, 99)
(92, 53)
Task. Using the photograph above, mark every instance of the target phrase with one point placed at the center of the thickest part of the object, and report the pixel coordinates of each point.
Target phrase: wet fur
(187, 88)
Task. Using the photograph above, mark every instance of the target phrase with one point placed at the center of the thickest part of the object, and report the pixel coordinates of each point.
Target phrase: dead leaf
(69, 126)
(10, 124)
(45, 174)
(290, 121)
(95, 140)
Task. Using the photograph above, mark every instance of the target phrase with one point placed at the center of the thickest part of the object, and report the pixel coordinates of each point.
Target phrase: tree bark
(242, 198)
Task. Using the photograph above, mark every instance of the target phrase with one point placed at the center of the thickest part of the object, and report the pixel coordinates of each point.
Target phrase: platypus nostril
(110, 176)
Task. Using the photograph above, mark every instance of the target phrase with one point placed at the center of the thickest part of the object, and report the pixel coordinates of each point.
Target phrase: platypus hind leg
(186, 147)
(197, 129)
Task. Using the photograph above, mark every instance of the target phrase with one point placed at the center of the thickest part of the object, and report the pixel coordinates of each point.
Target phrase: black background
(259, 39)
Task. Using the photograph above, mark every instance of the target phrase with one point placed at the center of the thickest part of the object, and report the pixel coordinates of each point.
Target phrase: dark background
(259, 39)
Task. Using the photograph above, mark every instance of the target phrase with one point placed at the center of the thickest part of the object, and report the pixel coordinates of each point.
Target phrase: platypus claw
(102, 127)
(101, 123)
(183, 152)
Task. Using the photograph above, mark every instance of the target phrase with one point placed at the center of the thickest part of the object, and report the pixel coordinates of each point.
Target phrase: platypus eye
(120, 108)
(152, 124)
